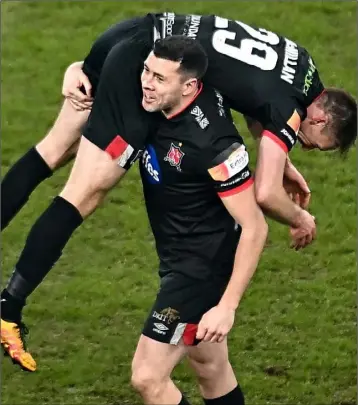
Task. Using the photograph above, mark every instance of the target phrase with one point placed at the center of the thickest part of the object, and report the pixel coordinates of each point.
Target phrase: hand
(215, 324)
(73, 80)
(296, 186)
(305, 232)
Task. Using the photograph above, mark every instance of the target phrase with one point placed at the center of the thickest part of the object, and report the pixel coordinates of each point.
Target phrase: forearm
(256, 130)
(277, 205)
(247, 256)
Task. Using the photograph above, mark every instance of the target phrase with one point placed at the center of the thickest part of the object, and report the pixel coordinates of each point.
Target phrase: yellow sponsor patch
(294, 122)
(234, 164)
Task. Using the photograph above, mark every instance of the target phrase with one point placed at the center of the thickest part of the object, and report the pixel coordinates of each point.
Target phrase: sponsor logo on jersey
(194, 26)
(175, 156)
(309, 76)
(220, 104)
(234, 164)
(290, 62)
(200, 117)
(168, 21)
(244, 175)
(151, 165)
(288, 136)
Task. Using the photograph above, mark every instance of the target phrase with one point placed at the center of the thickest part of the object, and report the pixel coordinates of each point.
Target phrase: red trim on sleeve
(116, 148)
(238, 189)
(276, 139)
(190, 333)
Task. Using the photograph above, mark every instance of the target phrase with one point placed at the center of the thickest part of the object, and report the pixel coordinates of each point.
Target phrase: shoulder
(211, 113)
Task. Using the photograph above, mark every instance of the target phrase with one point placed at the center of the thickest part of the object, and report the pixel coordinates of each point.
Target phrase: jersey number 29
(261, 41)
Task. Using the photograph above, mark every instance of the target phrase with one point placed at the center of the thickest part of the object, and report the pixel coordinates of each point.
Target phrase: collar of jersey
(178, 113)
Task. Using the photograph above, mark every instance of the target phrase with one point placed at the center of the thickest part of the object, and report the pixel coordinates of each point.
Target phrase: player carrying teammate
(197, 187)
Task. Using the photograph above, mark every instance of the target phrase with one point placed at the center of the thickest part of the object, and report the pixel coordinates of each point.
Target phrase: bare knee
(209, 370)
(145, 381)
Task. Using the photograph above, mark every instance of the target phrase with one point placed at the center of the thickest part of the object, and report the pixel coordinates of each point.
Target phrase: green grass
(294, 341)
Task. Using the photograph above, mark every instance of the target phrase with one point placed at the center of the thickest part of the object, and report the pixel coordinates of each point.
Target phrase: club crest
(174, 156)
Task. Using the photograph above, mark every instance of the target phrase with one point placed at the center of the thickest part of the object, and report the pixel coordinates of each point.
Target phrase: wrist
(299, 217)
(228, 304)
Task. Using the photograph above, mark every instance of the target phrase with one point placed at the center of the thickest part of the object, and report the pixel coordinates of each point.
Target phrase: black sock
(235, 397)
(11, 307)
(184, 401)
(19, 182)
(43, 247)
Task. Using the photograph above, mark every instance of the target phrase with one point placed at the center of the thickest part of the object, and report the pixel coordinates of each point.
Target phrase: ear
(190, 86)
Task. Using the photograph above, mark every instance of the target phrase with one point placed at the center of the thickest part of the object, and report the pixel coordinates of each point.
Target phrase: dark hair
(179, 48)
(342, 108)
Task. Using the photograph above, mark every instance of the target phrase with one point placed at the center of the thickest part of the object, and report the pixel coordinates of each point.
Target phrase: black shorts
(180, 304)
(127, 30)
(118, 123)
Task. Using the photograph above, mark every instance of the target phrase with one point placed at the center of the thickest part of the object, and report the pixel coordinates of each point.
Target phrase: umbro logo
(200, 117)
(160, 326)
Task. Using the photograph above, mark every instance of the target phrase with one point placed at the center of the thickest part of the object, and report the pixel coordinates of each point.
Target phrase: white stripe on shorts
(178, 333)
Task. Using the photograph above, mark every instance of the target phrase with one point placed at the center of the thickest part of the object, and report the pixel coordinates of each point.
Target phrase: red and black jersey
(264, 75)
(193, 158)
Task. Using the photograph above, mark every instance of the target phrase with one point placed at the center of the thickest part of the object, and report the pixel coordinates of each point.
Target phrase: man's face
(162, 84)
(313, 133)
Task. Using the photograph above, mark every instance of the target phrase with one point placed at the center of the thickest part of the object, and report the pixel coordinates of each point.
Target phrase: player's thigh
(93, 170)
(65, 132)
(208, 359)
(154, 360)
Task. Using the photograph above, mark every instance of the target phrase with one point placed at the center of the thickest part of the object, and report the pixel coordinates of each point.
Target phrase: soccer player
(208, 228)
(266, 77)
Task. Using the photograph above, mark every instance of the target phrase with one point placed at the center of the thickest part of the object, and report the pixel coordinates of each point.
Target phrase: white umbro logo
(160, 326)
(199, 117)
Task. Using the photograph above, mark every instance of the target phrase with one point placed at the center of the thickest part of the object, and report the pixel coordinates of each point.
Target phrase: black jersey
(264, 75)
(192, 157)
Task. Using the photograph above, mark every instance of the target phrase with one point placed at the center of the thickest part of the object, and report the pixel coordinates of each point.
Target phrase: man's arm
(244, 209)
(270, 193)
(294, 183)
(228, 166)
(218, 321)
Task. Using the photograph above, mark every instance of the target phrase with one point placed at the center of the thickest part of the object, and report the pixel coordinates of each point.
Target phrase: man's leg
(152, 366)
(217, 381)
(168, 333)
(55, 150)
(94, 173)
